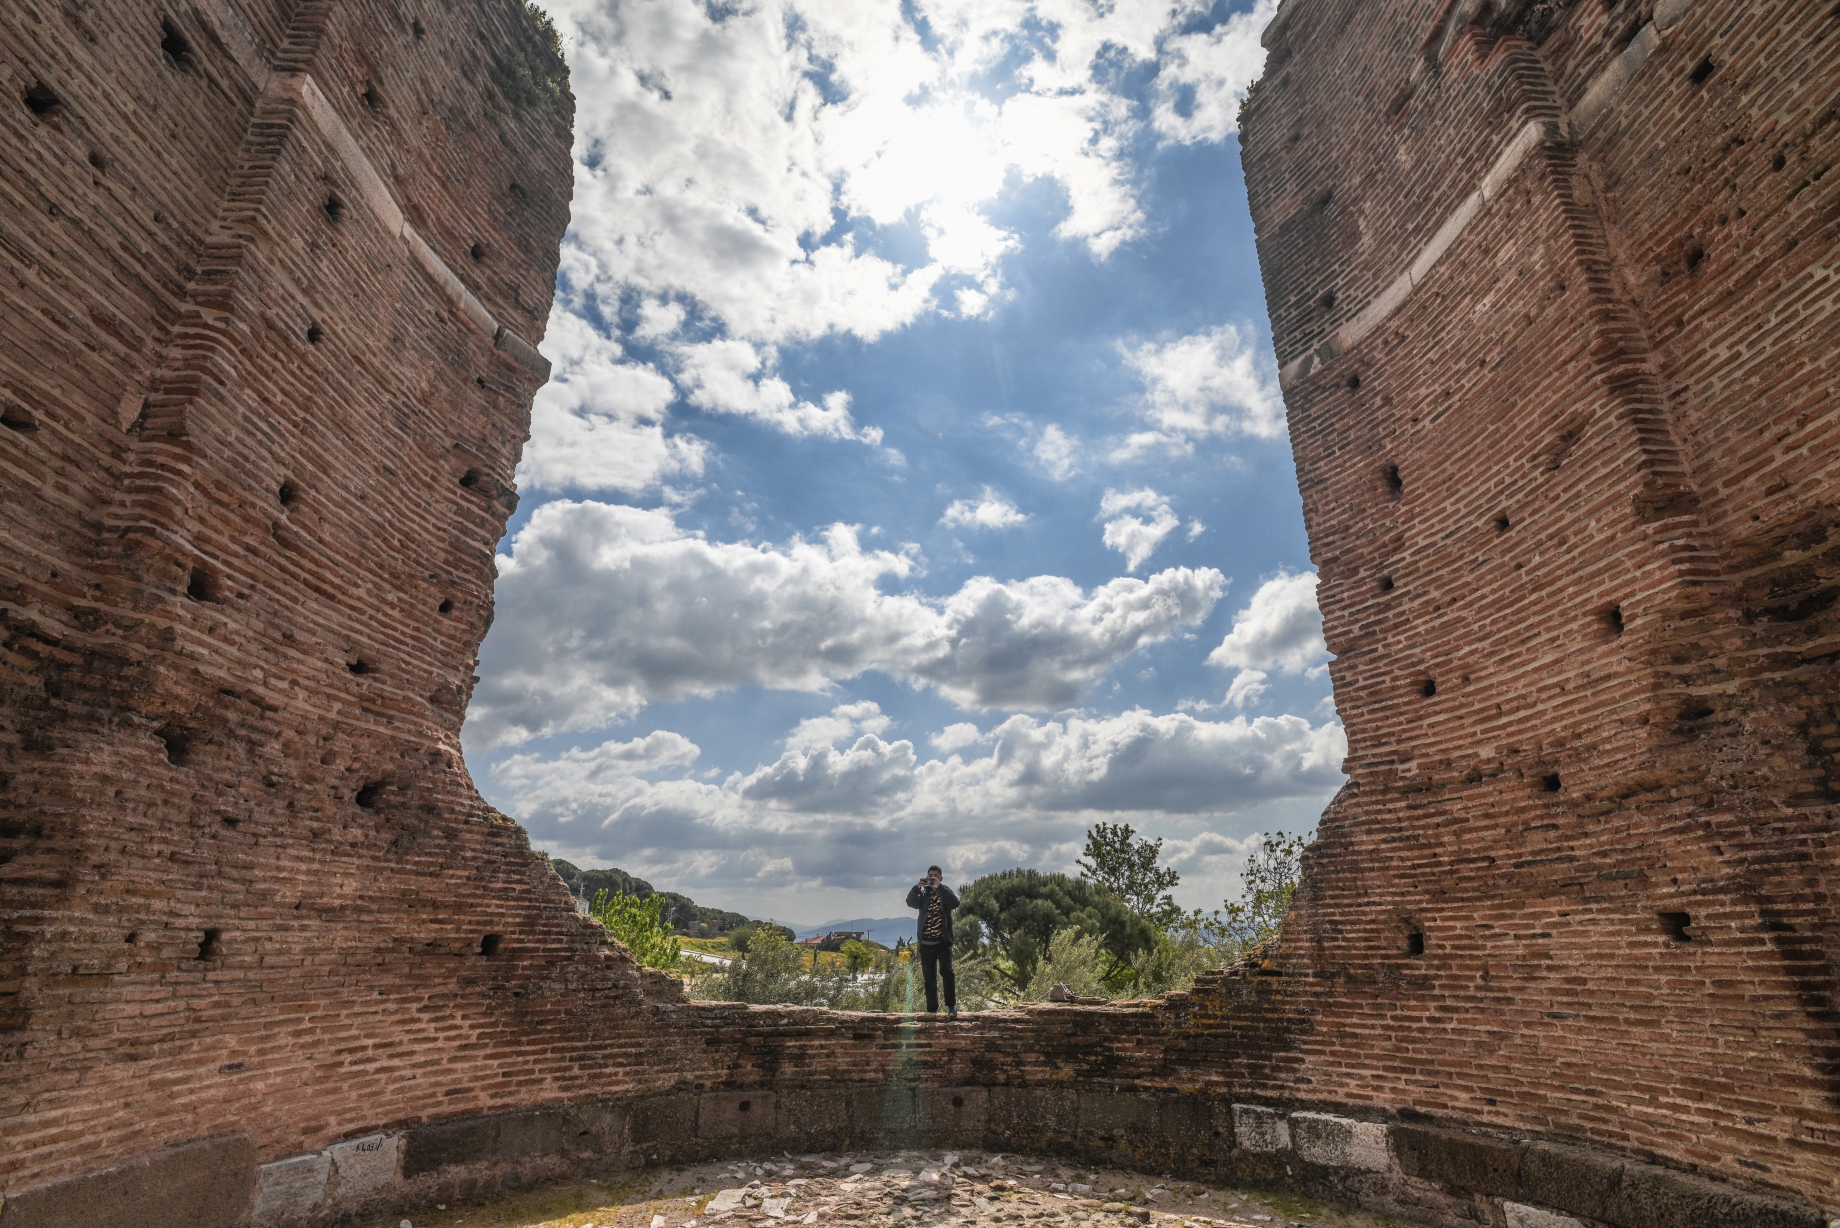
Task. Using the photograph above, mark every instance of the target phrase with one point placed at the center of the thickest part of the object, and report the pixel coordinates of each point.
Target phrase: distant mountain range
(884, 930)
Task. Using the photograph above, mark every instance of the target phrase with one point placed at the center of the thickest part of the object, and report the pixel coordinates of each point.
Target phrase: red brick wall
(1614, 392)
(272, 758)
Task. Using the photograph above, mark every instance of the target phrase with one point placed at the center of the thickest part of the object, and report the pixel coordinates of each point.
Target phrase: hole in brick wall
(1701, 71)
(1386, 584)
(360, 666)
(208, 947)
(372, 98)
(1695, 254)
(1415, 943)
(480, 380)
(1674, 925)
(471, 478)
(1354, 382)
(231, 823)
(518, 191)
(478, 251)
(42, 102)
(202, 586)
(1695, 711)
(1323, 199)
(367, 796)
(1327, 301)
(178, 744)
(1401, 100)
(489, 944)
(132, 938)
(1502, 523)
(1778, 162)
(746, 1105)
(1428, 687)
(98, 161)
(1613, 620)
(418, 29)
(958, 1102)
(289, 494)
(1550, 782)
(446, 606)
(1395, 485)
(335, 209)
(18, 418)
(315, 334)
(177, 47)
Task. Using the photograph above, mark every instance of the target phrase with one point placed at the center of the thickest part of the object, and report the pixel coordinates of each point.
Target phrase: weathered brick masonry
(1554, 295)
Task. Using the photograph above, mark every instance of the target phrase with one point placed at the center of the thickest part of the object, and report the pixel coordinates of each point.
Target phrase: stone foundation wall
(1554, 309)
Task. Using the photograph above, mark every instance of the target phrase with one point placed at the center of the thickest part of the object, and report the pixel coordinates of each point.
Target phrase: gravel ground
(927, 1189)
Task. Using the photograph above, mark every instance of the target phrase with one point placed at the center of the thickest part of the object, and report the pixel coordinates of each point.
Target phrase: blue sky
(913, 483)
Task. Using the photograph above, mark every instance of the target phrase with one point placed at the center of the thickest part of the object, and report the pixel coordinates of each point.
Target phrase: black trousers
(936, 963)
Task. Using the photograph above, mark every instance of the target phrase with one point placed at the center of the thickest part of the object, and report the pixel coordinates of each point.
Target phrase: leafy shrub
(639, 926)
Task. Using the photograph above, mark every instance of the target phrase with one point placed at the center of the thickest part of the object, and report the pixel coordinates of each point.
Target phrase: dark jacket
(919, 897)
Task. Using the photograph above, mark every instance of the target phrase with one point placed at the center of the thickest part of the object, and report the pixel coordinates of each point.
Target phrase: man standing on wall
(936, 901)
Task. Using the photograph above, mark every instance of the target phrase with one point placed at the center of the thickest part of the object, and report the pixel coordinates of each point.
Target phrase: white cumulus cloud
(605, 608)
(1280, 629)
(989, 511)
(864, 812)
(731, 377)
(599, 424)
(1136, 537)
(1206, 75)
(1214, 383)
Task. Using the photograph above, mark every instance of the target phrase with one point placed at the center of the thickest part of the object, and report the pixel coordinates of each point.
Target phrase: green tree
(1019, 911)
(637, 923)
(1267, 884)
(1127, 867)
(857, 956)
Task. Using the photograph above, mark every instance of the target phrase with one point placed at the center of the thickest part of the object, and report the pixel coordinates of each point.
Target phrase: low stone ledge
(1581, 1182)
(210, 1183)
(1427, 1172)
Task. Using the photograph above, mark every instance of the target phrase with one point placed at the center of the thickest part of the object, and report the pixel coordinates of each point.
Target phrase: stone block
(724, 1116)
(1340, 1142)
(814, 1120)
(1519, 1215)
(541, 1132)
(955, 1116)
(1020, 1114)
(886, 1116)
(292, 1185)
(1187, 1123)
(361, 1165)
(1118, 1113)
(1476, 1163)
(1260, 1129)
(447, 1143)
(1654, 1197)
(665, 1126)
(1571, 1178)
(210, 1183)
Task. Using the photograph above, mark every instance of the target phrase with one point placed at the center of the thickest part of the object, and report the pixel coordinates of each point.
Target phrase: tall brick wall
(1554, 309)
(1554, 294)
